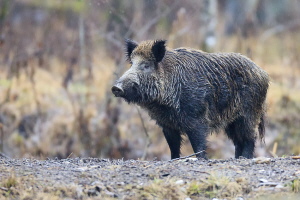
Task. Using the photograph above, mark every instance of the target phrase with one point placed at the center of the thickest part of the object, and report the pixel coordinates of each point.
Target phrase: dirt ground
(93, 178)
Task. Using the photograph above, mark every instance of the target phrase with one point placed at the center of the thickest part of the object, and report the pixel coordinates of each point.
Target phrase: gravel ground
(93, 178)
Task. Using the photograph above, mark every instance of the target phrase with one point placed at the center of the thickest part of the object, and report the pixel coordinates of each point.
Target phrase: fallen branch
(181, 158)
(70, 155)
(3, 188)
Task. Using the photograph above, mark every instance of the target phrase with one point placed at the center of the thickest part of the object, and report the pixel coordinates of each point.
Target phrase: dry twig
(3, 188)
(146, 133)
(181, 158)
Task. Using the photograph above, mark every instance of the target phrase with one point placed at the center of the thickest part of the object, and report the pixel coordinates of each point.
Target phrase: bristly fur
(194, 92)
(261, 127)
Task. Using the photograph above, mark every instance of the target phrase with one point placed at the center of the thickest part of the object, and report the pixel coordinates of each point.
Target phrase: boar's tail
(261, 127)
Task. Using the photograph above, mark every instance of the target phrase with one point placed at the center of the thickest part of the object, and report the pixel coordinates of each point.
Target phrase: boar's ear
(129, 47)
(159, 49)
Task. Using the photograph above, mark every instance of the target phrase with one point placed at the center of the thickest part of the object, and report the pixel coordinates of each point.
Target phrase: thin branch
(70, 155)
(152, 22)
(146, 133)
(4, 156)
(34, 90)
(82, 56)
(279, 29)
(181, 158)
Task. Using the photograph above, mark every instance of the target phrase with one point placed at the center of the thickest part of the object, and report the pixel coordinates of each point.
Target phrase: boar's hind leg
(243, 136)
(197, 138)
(231, 132)
(173, 138)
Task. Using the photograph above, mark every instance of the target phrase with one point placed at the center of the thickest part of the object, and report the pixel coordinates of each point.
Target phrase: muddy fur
(192, 92)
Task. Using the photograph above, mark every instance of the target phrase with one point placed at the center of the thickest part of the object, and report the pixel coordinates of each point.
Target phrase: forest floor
(93, 178)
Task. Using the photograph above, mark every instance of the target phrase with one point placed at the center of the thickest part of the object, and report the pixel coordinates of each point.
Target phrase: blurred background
(59, 59)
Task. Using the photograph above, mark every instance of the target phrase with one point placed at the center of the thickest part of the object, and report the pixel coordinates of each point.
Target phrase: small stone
(164, 175)
(111, 194)
(79, 191)
(120, 183)
(93, 192)
(98, 189)
(191, 159)
(262, 160)
(94, 166)
(270, 184)
(179, 182)
(97, 183)
(262, 180)
(241, 180)
(110, 189)
(80, 169)
(279, 186)
(261, 171)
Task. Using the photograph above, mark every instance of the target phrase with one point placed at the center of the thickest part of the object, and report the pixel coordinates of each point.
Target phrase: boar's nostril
(117, 91)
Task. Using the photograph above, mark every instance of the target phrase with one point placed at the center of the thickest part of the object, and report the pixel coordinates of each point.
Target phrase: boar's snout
(117, 90)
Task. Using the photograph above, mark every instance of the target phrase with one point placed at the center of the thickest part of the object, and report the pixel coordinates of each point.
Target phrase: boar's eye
(146, 67)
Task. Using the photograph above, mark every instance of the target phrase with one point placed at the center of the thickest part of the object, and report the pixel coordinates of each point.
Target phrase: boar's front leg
(197, 135)
(173, 138)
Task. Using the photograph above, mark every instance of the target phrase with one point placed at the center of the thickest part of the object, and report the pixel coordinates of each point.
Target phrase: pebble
(111, 194)
(270, 184)
(120, 183)
(191, 159)
(93, 192)
(262, 160)
(179, 182)
(263, 180)
(279, 186)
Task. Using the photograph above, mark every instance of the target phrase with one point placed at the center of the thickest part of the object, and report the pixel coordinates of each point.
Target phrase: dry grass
(217, 186)
(296, 186)
(161, 189)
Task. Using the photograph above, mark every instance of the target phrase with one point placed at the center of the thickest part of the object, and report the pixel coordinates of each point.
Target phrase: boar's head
(143, 81)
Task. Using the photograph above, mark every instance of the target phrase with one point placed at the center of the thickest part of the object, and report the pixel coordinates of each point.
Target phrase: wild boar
(192, 92)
